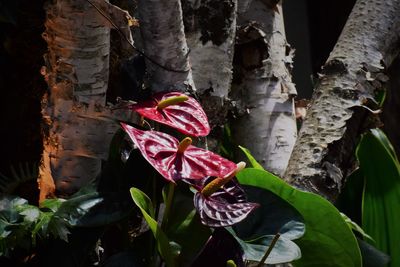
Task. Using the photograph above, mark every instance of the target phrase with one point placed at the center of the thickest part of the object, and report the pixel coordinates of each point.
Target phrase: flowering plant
(219, 201)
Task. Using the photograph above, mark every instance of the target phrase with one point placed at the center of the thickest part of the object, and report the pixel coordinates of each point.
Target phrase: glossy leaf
(166, 250)
(381, 196)
(161, 151)
(225, 207)
(273, 216)
(187, 117)
(328, 240)
(283, 251)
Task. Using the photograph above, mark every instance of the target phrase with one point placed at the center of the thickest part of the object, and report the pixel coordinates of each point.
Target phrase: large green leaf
(259, 228)
(165, 247)
(272, 216)
(283, 251)
(328, 241)
(381, 196)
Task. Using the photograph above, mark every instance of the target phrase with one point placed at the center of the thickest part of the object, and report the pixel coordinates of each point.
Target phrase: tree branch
(354, 70)
(265, 89)
(164, 39)
(210, 28)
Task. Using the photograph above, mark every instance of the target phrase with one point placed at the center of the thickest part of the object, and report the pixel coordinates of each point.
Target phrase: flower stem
(168, 204)
(271, 246)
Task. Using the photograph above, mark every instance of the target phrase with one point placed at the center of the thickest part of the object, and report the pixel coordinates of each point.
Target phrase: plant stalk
(168, 204)
(271, 246)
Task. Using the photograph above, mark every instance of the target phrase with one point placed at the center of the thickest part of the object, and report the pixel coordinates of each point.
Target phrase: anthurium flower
(176, 160)
(222, 202)
(176, 110)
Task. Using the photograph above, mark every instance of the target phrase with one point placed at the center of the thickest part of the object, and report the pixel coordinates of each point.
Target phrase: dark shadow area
(21, 84)
(312, 28)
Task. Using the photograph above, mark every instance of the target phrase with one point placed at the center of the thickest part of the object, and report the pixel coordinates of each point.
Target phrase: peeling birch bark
(210, 28)
(354, 70)
(79, 125)
(164, 42)
(265, 92)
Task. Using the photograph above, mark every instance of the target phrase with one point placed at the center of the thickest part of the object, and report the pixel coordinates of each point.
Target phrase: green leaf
(274, 215)
(58, 227)
(384, 141)
(30, 213)
(381, 196)
(328, 240)
(252, 160)
(41, 225)
(355, 227)
(165, 248)
(283, 251)
(349, 200)
(52, 204)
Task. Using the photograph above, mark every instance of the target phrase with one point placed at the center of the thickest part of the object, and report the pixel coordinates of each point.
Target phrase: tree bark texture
(210, 28)
(78, 124)
(164, 42)
(353, 72)
(265, 90)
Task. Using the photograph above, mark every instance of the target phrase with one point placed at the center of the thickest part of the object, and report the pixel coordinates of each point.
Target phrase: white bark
(210, 28)
(354, 69)
(164, 42)
(266, 90)
(79, 125)
(211, 39)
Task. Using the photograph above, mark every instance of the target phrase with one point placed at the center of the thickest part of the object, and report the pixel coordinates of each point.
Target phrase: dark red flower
(174, 160)
(176, 110)
(221, 202)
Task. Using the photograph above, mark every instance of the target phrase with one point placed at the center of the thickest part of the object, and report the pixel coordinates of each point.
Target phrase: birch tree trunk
(210, 28)
(353, 71)
(265, 91)
(161, 27)
(79, 125)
